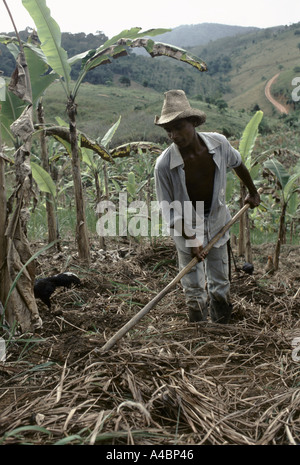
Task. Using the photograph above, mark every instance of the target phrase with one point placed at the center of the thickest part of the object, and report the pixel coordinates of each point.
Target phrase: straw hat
(176, 106)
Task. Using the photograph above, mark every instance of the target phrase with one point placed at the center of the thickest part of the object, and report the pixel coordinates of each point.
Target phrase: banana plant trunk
(50, 208)
(17, 268)
(98, 199)
(3, 221)
(81, 226)
(241, 241)
(281, 236)
(248, 248)
(244, 244)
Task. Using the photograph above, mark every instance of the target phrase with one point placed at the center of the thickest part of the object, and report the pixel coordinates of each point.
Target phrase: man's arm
(253, 198)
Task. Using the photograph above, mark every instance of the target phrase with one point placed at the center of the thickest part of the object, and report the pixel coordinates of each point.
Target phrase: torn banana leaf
(159, 49)
(104, 55)
(6, 158)
(61, 133)
(126, 149)
(4, 39)
(133, 33)
(19, 82)
(88, 143)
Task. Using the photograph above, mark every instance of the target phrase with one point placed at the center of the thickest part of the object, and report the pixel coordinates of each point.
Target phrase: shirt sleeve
(175, 214)
(162, 183)
(164, 194)
(234, 158)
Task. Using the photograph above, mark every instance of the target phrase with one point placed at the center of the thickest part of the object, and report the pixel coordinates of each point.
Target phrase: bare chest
(199, 176)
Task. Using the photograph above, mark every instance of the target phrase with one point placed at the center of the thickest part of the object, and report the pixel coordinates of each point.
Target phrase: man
(192, 171)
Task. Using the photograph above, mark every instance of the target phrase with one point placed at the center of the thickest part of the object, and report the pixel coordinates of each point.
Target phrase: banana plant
(46, 184)
(56, 57)
(94, 164)
(248, 139)
(96, 167)
(246, 146)
(288, 189)
(40, 78)
(20, 305)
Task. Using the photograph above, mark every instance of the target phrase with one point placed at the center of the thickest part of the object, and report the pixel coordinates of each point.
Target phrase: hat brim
(199, 116)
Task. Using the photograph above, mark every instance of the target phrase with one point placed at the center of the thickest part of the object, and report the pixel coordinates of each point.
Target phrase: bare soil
(279, 106)
(167, 381)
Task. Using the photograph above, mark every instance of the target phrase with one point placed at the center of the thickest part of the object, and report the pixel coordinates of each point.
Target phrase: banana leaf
(110, 133)
(131, 184)
(278, 170)
(50, 36)
(249, 137)
(62, 134)
(13, 106)
(2, 89)
(104, 55)
(43, 179)
(117, 47)
(292, 184)
(126, 149)
(133, 33)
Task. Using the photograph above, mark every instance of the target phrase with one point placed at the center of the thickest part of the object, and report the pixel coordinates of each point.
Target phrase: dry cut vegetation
(167, 381)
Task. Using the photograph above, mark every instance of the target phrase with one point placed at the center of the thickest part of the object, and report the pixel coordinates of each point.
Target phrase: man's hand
(253, 199)
(198, 252)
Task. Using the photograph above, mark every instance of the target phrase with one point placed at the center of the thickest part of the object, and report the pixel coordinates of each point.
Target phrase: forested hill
(158, 74)
(182, 36)
(73, 43)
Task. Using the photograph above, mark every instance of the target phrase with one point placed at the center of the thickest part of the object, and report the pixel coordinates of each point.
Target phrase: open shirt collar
(211, 143)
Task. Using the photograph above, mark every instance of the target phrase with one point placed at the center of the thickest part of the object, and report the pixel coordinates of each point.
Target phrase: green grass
(100, 106)
(37, 225)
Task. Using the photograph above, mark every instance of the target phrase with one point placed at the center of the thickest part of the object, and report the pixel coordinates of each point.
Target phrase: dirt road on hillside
(281, 108)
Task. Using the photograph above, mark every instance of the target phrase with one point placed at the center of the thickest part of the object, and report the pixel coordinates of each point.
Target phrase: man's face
(181, 132)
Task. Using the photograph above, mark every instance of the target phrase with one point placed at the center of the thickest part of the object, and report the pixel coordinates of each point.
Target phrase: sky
(112, 17)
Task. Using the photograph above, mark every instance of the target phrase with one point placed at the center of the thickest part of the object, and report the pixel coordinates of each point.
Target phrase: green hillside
(254, 59)
(100, 106)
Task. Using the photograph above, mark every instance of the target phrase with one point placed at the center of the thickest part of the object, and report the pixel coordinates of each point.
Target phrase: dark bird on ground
(44, 287)
(248, 268)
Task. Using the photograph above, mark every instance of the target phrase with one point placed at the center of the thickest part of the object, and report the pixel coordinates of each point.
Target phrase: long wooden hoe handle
(111, 342)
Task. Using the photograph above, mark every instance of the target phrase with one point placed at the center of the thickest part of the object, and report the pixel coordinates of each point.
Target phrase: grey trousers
(214, 270)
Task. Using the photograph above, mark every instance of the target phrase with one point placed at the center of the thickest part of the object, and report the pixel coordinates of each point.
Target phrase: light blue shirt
(171, 186)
